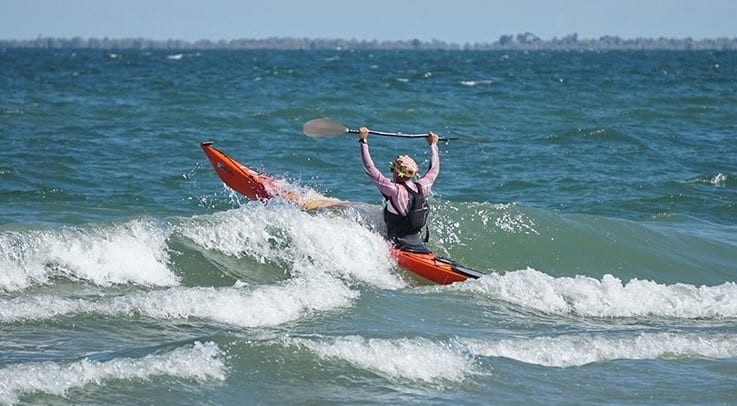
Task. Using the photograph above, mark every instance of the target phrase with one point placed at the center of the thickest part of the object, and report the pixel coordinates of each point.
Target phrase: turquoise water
(597, 192)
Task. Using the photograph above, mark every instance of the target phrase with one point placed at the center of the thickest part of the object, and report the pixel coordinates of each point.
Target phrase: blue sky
(457, 21)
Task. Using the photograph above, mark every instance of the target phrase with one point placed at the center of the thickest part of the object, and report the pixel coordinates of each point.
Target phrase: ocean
(596, 192)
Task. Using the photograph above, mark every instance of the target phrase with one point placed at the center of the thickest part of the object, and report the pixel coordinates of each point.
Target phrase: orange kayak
(239, 177)
(430, 266)
(257, 186)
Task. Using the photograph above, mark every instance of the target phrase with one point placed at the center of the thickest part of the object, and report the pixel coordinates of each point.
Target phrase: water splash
(414, 359)
(239, 306)
(609, 297)
(201, 362)
(103, 255)
(283, 235)
(582, 349)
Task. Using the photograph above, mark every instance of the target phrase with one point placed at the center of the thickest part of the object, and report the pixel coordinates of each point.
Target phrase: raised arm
(385, 185)
(432, 172)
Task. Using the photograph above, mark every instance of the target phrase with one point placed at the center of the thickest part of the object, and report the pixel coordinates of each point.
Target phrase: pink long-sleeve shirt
(398, 198)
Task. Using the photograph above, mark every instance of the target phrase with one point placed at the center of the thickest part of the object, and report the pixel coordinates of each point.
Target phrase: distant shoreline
(526, 41)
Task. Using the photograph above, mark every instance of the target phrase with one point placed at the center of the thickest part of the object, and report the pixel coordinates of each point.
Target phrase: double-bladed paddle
(325, 127)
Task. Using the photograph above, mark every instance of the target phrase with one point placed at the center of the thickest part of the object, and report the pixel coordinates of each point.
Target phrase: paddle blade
(323, 127)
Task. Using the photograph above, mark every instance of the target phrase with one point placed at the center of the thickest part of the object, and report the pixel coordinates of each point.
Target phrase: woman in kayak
(406, 209)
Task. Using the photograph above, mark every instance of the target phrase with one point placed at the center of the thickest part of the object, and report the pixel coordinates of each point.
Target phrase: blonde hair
(405, 166)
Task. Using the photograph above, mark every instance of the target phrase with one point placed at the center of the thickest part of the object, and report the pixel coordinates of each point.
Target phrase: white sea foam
(264, 306)
(202, 362)
(246, 307)
(131, 253)
(719, 179)
(582, 349)
(486, 82)
(415, 359)
(608, 297)
(306, 242)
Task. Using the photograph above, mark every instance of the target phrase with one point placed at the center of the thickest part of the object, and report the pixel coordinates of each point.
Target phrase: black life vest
(399, 226)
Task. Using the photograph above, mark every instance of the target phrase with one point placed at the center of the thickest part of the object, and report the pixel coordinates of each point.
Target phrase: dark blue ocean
(597, 192)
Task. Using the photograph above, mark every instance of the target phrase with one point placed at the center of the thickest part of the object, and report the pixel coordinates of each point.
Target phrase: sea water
(596, 192)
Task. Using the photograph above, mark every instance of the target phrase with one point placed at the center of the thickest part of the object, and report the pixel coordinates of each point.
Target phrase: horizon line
(291, 37)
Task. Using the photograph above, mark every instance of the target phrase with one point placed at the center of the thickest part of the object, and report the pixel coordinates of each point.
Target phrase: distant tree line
(525, 41)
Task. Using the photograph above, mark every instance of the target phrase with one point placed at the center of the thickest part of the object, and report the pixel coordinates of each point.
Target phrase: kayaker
(406, 209)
